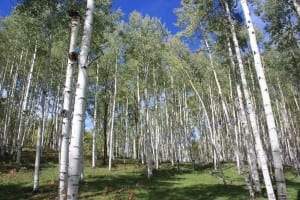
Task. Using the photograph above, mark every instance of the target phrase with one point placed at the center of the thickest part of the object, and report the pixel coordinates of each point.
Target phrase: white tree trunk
(138, 127)
(67, 110)
(236, 135)
(126, 143)
(249, 144)
(2, 134)
(75, 149)
(156, 124)
(258, 143)
(147, 143)
(3, 75)
(95, 131)
(36, 177)
(112, 117)
(208, 123)
(16, 144)
(273, 137)
(297, 7)
(25, 100)
(42, 118)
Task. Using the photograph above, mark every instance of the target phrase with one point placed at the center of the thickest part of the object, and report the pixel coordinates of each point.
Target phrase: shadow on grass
(294, 187)
(163, 185)
(48, 158)
(22, 192)
(201, 191)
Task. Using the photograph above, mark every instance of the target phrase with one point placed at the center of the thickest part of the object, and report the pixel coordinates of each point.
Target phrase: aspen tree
(95, 131)
(25, 99)
(113, 116)
(66, 112)
(273, 137)
(252, 117)
(75, 149)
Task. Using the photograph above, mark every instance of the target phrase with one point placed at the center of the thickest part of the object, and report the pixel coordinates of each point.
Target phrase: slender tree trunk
(25, 100)
(258, 143)
(16, 147)
(36, 177)
(208, 124)
(75, 149)
(287, 133)
(105, 127)
(213, 133)
(67, 110)
(58, 124)
(156, 124)
(172, 148)
(42, 118)
(2, 79)
(3, 75)
(138, 113)
(127, 136)
(236, 135)
(249, 144)
(273, 137)
(112, 117)
(95, 131)
(147, 143)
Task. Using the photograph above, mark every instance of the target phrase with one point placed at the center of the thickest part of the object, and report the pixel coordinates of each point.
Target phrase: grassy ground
(129, 182)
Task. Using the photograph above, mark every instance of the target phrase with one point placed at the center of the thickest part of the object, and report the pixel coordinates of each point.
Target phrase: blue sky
(6, 7)
(162, 9)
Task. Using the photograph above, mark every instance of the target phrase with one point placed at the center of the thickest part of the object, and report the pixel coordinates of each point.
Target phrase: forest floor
(129, 181)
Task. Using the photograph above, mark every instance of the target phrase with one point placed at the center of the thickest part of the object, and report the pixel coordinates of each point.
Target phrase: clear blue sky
(6, 7)
(162, 9)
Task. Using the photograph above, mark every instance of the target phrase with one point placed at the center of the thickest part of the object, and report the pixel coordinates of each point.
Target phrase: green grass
(129, 182)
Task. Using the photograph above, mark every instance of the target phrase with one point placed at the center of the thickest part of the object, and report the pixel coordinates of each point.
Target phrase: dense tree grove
(73, 70)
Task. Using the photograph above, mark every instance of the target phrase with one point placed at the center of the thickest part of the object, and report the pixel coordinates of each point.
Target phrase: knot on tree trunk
(73, 13)
(73, 56)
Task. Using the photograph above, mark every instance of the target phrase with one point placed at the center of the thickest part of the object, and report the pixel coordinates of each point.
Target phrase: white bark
(147, 143)
(258, 143)
(236, 135)
(36, 177)
(249, 144)
(75, 149)
(156, 125)
(147, 132)
(42, 119)
(138, 113)
(11, 96)
(273, 137)
(95, 131)
(288, 129)
(217, 82)
(25, 101)
(172, 141)
(297, 7)
(213, 133)
(112, 117)
(2, 79)
(67, 110)
(208, 125)
(3, 75)
(126, 143)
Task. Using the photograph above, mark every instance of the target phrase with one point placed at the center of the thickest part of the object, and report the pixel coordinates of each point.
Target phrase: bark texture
(75, 150)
